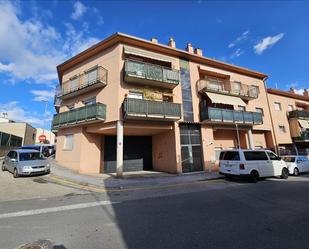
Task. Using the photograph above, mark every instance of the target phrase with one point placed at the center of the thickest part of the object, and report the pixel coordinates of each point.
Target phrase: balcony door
(191, 150)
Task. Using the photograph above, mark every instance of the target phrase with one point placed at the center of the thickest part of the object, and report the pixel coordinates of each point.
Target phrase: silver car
(25, 162)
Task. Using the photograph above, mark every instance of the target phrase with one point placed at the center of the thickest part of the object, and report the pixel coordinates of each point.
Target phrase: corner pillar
(119, 164)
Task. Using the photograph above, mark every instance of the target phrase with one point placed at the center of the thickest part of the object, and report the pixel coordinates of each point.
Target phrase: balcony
(151, 110)
(299, 114)
(82, 115)
(227, 87)
(304, 137)
(87, 81)
(217, 115)
(149, 74)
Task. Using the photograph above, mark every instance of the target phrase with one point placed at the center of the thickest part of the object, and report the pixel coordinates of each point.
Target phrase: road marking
(56, 209)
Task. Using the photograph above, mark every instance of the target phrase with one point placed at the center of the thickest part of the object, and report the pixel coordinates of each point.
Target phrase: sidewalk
(138, 179)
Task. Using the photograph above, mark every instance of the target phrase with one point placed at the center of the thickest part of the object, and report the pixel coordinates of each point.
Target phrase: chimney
(292, 90)
(154, 40)
(189, 48)
(306, 92)
(198, 51)
(172, 43)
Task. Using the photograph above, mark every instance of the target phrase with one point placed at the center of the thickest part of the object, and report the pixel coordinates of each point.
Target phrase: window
(135, 95)
(30, 156)
(255, 156)
(273, 156)
(70, 107)
(277, 106)
(68, 142)
(92, 75)
(91, 101)
(230, 155)
(289, 159)
(74, 83)
(282, 128)
(236, 86)
(290, 108)
(254, 90)
(259, 110)
(241, 108)
(214, 84)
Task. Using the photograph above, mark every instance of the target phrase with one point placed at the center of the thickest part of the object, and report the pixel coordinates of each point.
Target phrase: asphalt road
(273, 213)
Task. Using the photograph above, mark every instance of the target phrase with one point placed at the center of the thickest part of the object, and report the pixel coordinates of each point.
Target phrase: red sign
(42, 138)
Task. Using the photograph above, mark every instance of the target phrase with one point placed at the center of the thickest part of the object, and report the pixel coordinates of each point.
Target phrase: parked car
(297, 164)
(46, 149)
(252, 163)
(25, 162)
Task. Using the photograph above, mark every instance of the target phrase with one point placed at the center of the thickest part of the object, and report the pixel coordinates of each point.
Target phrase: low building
(19, 129)
(290, 117)
(131, 104)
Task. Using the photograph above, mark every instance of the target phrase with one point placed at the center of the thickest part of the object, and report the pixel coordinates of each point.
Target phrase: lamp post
(46, 102)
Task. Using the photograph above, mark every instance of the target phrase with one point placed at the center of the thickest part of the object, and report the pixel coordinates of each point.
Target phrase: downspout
(271, 117)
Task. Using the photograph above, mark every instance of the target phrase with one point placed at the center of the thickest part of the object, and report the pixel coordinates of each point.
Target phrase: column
(119, 165)
(250, 139)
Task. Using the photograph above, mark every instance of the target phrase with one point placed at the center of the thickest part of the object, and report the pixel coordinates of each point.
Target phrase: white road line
(55, 209)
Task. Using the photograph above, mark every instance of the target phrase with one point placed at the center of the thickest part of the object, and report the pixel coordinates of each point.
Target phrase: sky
(36, 36)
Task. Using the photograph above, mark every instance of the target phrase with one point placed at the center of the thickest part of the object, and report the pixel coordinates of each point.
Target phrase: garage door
(137, 153)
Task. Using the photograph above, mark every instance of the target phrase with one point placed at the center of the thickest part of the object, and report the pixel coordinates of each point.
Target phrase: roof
(156, 47)
(287, 94)
(25, 150)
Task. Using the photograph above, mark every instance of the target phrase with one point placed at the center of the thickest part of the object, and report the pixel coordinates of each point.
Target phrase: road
(216, 214)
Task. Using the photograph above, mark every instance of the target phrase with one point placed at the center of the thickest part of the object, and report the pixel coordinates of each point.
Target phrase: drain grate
(40, 244)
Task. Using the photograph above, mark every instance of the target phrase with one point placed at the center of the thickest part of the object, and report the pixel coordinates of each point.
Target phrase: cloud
(43, 95)
(79, 10)
(19, 114)
(239, 39)
(31, 49)
(267, 42)
(238, 52)
(100, 20)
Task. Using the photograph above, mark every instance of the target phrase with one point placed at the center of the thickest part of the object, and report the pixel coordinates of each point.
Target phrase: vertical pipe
(238, 140)
(250, 139)
(119, 164)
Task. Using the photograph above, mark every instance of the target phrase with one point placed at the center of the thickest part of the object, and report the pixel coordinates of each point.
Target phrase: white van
(252, 163)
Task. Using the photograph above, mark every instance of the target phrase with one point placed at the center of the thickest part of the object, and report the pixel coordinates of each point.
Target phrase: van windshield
(29, 156)
(289, 159)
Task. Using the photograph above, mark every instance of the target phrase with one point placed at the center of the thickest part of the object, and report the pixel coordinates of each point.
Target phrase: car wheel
(15, 173)
(296, 172)
(254, 176)
(3, 167)
(285, 173)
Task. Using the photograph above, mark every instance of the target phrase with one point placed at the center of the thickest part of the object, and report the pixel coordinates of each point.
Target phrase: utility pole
(46, 102)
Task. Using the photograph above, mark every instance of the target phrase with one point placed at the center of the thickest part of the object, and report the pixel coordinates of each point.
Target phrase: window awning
(147, 54)
(225, 99)
(304, 123)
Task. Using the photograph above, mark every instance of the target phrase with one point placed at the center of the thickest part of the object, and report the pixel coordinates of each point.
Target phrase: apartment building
(290, 116)
(130, 104)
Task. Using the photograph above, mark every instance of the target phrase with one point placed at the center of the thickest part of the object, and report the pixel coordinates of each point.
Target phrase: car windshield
(29, 156)
(289, 159)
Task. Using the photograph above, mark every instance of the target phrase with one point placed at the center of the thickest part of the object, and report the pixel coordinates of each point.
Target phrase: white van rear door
(230, 163)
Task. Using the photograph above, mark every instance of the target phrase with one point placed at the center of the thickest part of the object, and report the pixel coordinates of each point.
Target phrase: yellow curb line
(93, 188)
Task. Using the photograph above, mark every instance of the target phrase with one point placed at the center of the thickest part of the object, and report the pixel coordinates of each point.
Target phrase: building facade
(290, 117)
(131, 104)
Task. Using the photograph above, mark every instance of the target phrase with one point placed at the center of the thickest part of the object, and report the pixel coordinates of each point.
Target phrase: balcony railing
(304, 137)
(89, 80)
(150, 74)
(229, 88)
(148, 109)
(90, 113)
(299, 114)
(219, 115)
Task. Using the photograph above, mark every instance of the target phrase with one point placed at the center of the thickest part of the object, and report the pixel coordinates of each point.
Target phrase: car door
(13, 161)
(276, 163)
(302, 164)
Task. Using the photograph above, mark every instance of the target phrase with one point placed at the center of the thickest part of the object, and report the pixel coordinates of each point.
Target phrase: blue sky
(271, 37)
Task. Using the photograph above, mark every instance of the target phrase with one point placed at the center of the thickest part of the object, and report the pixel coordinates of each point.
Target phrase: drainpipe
(271, 117)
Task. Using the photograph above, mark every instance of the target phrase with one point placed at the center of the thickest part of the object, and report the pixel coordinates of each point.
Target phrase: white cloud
(31, 50)
(79, 10)
(238, 52)
(43, 95)
(100, 19)
(19, 114)
(267, 42)
(239, 39)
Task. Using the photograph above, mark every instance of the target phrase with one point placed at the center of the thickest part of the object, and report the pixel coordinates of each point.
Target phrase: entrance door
(137, 153)
(190, 139)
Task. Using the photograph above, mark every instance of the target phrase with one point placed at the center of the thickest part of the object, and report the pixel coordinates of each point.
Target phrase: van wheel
(254, 176)
(285, 173)
(15, 173)
(3, 167)
(296, 172)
